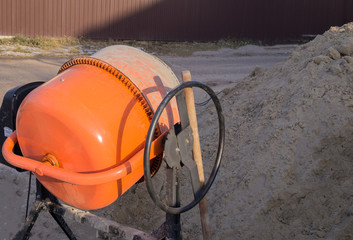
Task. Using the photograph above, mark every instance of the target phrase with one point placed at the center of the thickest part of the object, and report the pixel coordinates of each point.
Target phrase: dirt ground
(221, 69)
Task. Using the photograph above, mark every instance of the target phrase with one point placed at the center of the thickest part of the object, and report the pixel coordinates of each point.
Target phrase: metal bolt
(62, 79)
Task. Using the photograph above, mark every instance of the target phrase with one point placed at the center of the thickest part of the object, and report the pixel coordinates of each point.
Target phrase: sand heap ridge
(288, 165)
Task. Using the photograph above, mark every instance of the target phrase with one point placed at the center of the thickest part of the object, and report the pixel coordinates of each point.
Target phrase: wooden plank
(5, 19)
(33, 13)
(94, 16)
(119, 30)
(26, 7)
(49, 31)
(86, 18)
(13, 16)
(105, 19)
(21, 22)
(37, 12)
(41, 18)
(45, 18)
(76, 18)
(89, 17)
(99, 17)
(106, 228)
(81, 9)
(111, 17)
(64, 22)
(59, 27)
(2, 17)
(71, 25)
(55, 18)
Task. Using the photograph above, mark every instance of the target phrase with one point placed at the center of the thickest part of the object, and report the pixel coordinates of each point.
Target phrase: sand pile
(288, 165)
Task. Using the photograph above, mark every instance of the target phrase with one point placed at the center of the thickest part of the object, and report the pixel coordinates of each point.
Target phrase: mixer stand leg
(25, 232)
(61, 222)
(44, 200)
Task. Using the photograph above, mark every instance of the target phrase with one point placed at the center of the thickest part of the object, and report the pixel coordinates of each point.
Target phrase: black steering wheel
(147, 173)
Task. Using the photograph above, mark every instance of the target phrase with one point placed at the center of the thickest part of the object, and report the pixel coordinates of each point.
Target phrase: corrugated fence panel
(173, 19)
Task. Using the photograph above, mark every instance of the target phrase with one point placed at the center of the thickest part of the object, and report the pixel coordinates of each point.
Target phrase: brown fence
(173, 19)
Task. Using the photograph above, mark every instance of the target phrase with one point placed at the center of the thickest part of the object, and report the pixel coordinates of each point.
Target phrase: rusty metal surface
(173, 19)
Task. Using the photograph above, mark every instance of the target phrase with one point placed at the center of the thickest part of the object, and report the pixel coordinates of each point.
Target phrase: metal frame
(106, 229)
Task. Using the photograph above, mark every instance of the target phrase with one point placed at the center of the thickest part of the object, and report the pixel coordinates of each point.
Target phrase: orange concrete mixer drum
(83, 132)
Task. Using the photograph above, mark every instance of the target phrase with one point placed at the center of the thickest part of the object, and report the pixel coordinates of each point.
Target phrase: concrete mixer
(101, 125)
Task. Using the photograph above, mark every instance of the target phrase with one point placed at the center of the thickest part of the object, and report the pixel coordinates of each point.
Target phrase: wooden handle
(190, 104)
